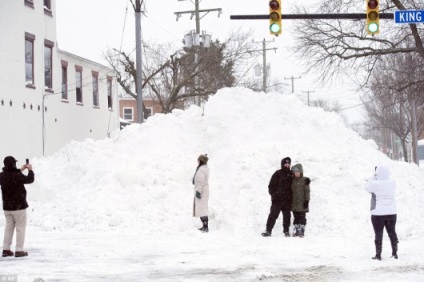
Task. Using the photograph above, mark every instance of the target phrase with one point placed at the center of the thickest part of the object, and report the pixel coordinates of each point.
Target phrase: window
(109, 92)
(78, 83)
(48, 8)
(64, 80)
(128, 114)
(48, 4)
(29, 3)
(95, 76)
(29, 59)
(148, 112)
(48, 64)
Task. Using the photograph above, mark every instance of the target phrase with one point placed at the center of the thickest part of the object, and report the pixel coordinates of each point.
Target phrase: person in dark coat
(13, 191)
(301, 197)
(281, 197)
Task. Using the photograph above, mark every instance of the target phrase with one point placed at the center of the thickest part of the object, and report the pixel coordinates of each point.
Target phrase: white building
(48, 97)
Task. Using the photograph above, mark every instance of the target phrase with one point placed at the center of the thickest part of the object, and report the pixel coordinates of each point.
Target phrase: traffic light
(275, 17)
(373, 18)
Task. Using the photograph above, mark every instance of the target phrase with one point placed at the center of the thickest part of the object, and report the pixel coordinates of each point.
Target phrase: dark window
(148, 112)
(29, 59)
(128, 114)
(48, 67)
(78, 83)
(47, 4)
(64, 80)
(109, 92)
(29, 3)
(95, 88)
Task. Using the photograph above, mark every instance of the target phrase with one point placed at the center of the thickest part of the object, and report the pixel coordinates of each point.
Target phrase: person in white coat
(383, 209)
(201, 192)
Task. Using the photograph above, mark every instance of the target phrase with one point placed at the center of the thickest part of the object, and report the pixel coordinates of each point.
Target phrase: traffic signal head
(373, 18)
(275, 17)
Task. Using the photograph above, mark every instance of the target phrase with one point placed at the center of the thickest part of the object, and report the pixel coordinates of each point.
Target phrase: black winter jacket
(13, 191)
(280, 187)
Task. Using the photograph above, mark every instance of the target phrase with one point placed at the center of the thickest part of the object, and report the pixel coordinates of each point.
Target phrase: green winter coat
(301, 192)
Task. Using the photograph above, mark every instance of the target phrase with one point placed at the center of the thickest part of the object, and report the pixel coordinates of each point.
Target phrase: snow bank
(142, 180)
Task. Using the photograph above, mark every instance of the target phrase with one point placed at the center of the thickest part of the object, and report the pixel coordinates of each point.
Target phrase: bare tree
(336, 46)
(392, 91)
(169, 77)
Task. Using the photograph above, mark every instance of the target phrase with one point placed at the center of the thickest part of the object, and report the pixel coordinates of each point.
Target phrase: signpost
(409, 16)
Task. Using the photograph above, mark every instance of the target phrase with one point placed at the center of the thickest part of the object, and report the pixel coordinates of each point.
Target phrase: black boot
(302, 231)
(378, 248)
(205, 227)
(267, 233)
(394, 248)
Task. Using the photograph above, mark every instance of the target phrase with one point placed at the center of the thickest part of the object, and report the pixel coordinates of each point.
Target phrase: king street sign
(409, 16)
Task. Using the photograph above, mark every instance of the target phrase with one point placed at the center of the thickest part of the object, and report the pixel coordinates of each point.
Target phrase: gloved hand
(305, 204)
(307, 181)
(198, 195)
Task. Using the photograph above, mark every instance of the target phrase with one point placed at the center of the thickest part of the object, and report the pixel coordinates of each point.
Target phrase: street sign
(409, 16)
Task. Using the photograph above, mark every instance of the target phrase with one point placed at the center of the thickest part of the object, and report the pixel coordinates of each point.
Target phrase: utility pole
(264, 66)
(196, 14)
(309, 91)
(139, 78)
(292, 78)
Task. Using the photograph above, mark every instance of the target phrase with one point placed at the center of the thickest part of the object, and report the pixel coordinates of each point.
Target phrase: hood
(382, 173)
(299, 167)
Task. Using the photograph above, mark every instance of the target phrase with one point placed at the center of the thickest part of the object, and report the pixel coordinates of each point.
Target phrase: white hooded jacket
(384, 190)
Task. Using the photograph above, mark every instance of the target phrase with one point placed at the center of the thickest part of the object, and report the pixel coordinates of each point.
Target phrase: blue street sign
(409, 16)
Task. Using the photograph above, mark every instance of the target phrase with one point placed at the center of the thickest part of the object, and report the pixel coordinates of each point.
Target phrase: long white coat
(384, 190)
(201, 184)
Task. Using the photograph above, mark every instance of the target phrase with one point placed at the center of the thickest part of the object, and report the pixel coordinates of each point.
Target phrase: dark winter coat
(280, 187)
(301, 193)
(13, 191)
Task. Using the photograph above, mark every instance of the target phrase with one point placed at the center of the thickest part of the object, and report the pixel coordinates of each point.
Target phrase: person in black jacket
(13, 191)
(281, 197)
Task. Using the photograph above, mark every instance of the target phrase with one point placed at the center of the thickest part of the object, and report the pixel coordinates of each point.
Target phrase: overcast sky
(89, 28)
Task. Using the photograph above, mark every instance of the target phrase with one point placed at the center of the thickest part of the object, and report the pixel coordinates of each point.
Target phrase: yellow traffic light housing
(373, 17)
(275, 17)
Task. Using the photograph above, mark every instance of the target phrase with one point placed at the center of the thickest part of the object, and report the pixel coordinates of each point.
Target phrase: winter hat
(9, 161)
(286, 160)
(203, 158)
(297, 168)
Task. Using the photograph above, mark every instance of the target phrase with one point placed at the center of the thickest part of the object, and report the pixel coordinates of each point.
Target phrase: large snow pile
(143, 178)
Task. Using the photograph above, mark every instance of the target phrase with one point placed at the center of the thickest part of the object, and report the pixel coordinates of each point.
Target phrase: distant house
(48, 96)
(128, 108)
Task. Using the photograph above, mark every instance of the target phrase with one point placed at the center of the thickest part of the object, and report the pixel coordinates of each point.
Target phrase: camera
(27, 161)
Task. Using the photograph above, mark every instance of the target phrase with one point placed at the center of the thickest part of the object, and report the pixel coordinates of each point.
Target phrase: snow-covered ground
(120, 209)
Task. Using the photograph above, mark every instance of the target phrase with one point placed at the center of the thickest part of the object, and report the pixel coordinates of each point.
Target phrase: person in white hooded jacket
(383, 209)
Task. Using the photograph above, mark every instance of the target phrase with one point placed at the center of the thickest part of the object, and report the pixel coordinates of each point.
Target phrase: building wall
(24, 126)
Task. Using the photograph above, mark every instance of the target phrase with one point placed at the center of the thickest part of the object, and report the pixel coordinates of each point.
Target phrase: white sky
(121, 209)
(88, 28)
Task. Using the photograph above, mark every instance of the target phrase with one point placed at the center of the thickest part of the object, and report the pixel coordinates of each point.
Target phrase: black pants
(381, 221)
(299, 218)
(276, 208)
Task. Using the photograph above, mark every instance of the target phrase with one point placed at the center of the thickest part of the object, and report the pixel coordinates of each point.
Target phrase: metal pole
(414, 132)
(264, 76)
(139, 77)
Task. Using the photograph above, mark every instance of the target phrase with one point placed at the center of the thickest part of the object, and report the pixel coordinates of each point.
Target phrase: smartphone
(27, 161)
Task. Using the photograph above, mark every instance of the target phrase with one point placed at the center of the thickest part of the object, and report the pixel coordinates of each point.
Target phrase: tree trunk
(405, 150)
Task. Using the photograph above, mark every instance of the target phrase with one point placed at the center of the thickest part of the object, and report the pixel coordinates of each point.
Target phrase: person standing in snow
(201, 192)
(13, 191)
(383, 209)
(281, 197)
(301, 196)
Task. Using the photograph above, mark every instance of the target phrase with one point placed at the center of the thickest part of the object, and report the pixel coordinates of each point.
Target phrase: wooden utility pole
(309, 91)
(292, 78)
(196, 13)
